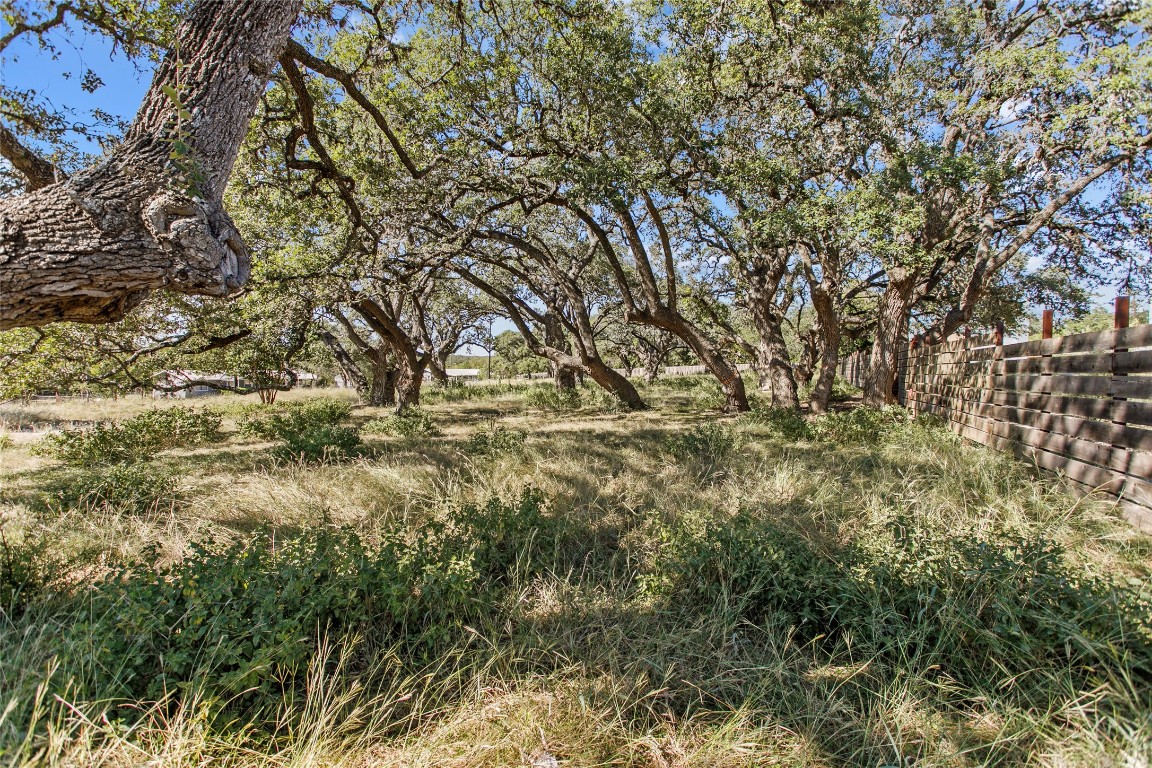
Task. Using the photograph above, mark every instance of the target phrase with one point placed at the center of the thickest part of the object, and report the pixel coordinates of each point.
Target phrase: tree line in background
(625, 184)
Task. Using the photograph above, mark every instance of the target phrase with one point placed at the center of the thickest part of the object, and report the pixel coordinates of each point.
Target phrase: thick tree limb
(348, 83)
(90, 248)
(37, 171)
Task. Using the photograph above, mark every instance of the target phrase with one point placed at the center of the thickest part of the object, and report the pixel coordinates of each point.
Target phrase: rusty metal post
(1121, 315)
(1046, 325)
(998, 334)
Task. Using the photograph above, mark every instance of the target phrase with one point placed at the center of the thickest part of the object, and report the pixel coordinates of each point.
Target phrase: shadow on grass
(711, 617)
(833, 643)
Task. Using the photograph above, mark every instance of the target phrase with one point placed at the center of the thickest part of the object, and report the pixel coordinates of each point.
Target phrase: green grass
(666, 588)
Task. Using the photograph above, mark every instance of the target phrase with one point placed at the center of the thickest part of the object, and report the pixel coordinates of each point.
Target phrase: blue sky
(55, 75)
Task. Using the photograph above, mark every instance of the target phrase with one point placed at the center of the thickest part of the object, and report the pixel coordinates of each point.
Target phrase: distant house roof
(175, 377)
(462, 372)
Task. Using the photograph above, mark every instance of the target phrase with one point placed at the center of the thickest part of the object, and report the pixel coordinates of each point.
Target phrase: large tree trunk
(386, 385)
(828, 343)
(735, 396)
(600, 372)
(773, 363)
(614, 382)
(409, 381)
(891, 327)
(90, 248)
(776, 377)
(382, 390)
(563, 376)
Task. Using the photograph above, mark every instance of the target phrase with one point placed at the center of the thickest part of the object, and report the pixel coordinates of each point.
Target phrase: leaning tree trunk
(438, 369)
(735, 396)
(91, 247)
(615, 383)
(891, 325)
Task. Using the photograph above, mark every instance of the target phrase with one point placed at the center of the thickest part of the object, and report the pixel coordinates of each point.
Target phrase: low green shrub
(104, 442)
(308, 430)
(686, 383)
(603, 401)
(496, 440)
(411, 423)
(135, 439)
(318, 443)
(467, 392)
(859, 425)
(177, 426)
(6, 441)
(549, 397)
(135, 488)
(784, 423)
(29, 567)
(843, 390)
(244, 620)
(1007, 602)
(275, 422)
(703, 392)
(707, 442)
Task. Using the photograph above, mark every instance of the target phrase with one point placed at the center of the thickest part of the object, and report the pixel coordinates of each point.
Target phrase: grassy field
(513, 580)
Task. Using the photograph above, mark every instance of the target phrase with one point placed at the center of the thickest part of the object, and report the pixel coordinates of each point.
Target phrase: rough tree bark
(828, 329)
(764, 274)
(891, 326)
(438, 367)
(91, 247)
(409, 382)
(563, 373)
(384, 318)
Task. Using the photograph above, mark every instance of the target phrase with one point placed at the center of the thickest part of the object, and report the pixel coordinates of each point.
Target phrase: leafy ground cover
(494, 581)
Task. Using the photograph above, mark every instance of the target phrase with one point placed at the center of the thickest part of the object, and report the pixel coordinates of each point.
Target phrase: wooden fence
(1080, 405)
(854, 367)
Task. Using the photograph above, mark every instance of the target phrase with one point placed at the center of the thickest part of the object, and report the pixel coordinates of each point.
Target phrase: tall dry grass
(596, 649)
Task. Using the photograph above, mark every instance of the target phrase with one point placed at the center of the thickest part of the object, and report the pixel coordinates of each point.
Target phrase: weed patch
(859, 425)
(1005, 606)
(548, 397)
(411, 423)
(133, 488)
(29, 567)
(708, 447)
(308, 431)
(496, 440)
(135, 439)
(244, 620)
(783, 423)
